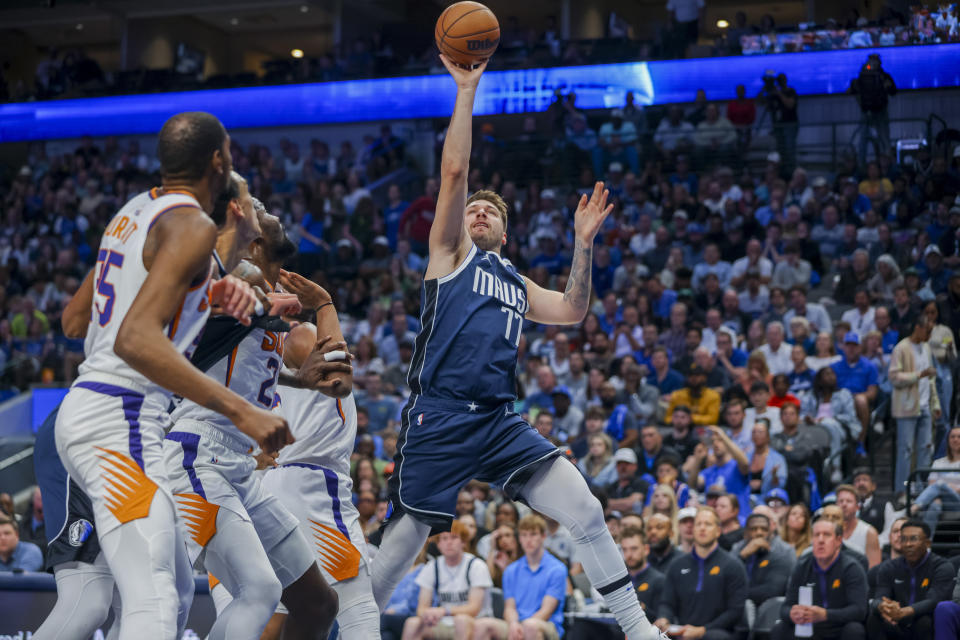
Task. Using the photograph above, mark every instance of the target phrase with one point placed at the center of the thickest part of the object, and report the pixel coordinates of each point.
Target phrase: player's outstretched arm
(186, 241)
(448, 240)
(76, 315)
(570, 307)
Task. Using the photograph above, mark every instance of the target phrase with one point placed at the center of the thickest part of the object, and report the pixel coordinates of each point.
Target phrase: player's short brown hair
(532, 522)
(494, 199)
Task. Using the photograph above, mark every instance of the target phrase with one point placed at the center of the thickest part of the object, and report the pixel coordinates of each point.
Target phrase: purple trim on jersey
(190, 442)
(132, 403)
(332, 491)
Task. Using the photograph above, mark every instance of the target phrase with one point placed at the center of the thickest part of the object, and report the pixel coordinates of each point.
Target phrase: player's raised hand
(310, 294)
(283, 304)
(464, 77)
(591, 213)
(234, 297)
(266, 427)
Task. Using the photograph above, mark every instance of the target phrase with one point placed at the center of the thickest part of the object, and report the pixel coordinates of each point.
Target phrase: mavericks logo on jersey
(487, 284)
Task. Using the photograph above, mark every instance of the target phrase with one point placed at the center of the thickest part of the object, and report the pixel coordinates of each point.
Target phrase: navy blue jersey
(471, 319)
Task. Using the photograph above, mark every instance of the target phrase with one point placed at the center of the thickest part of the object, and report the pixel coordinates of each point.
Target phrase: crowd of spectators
(754, 331)
(72, 73)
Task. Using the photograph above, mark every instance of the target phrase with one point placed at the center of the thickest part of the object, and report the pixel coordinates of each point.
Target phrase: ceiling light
(234, 21)
(722, 24)
(297, 53)
(304, 8)
(79, 26)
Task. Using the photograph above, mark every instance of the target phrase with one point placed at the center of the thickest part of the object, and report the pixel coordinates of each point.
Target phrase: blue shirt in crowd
(528, 587)
(25, 557)
(391, 218)
(855, 378)
(729, 477)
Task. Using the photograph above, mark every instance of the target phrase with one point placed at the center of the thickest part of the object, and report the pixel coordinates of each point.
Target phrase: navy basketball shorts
(443, 444)
(68, 513)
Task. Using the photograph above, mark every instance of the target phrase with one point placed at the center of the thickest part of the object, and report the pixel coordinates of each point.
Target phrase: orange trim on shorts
(343, 418)
(212, 581)
(199, 515)
(128, 491)
(230, 362)
(336, 553)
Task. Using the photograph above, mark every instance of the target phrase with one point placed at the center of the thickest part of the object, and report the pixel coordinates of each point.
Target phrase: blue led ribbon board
(501, 92)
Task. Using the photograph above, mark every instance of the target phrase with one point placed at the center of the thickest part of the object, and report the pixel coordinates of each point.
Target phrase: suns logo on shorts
(337, 554)
(79, 532)
(129, 492)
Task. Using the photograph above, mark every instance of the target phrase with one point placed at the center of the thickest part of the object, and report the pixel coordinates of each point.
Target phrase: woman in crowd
(757, 370)
(944, 352)
(796, 528)
(366, 361)
(663, 501)
(824, 352)
(833, 409)
(504, 549)
(885, 280)
(943, 491)
(801, 378)
(598, 466)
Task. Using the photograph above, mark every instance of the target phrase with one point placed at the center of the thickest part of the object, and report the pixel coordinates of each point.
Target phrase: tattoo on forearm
(578, 284)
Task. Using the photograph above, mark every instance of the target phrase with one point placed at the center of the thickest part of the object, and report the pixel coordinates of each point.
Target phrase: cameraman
(781, 102)
(873, 88)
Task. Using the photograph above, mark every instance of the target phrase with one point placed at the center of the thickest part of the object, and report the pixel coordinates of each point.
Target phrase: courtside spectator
(857, 534)
(705, 590)
(909, 588)
(14, 554)
(534, 589)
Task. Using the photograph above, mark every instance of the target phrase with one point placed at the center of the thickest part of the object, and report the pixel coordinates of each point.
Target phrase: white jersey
(118, 278)
(324, 429)
(251, 370)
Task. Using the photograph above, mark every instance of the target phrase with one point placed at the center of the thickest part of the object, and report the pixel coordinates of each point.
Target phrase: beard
(660, 546)
(488, 240)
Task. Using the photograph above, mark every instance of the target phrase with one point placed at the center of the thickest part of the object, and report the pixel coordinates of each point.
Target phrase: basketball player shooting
(459, 422)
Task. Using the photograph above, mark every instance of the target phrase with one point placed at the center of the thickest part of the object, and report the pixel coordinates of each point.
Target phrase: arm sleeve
(883, 588)
(939, 591)
(668, 598)
(736, 595)
(856, 591)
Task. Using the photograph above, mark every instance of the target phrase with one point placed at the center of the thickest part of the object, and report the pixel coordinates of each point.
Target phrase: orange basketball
(468, 33)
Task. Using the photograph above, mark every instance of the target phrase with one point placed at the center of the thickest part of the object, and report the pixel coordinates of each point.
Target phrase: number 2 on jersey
(104, 288)
(511, 314)
(267, 400)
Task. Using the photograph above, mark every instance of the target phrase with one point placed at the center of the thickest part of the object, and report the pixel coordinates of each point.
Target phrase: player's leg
(142, 554)
(359, 617)
(84, 594)
(185, 584)
(110, 442)
(236, 557)
(402, 541)
(312, 604)
(558, 490)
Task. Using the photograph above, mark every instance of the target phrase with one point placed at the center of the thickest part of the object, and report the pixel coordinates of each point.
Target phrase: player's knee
(358, 616)
(263, 589)
(587, 518)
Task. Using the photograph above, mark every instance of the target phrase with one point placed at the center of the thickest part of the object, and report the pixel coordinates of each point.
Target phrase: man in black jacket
(662, 551)
(872, 508)
(873, 88)
(767, 570)
(839, 590)
(909, 588)
(705, 590)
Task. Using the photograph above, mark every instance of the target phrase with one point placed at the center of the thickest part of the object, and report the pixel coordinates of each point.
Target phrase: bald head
(299, 344)
(191, 145)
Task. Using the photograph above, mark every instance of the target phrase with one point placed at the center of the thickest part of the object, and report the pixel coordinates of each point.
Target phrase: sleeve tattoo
(577, 293)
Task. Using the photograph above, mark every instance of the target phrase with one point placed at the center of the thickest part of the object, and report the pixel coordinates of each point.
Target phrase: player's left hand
(310, 294)
(234, 297)
(266, 460)
(591, 214)
(318, 374)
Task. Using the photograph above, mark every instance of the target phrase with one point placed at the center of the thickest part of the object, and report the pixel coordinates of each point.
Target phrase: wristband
(331, 356)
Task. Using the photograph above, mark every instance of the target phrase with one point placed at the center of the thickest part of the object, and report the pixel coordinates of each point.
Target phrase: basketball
(468, 33)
